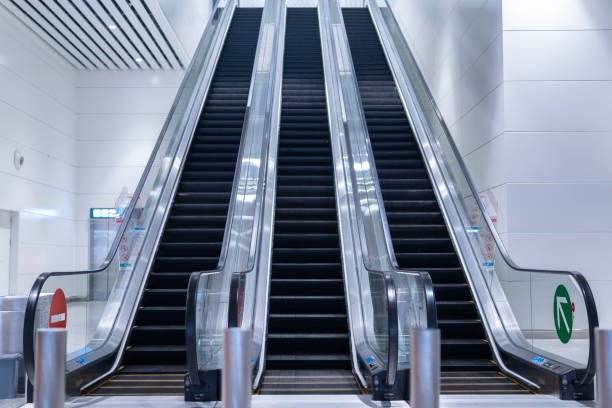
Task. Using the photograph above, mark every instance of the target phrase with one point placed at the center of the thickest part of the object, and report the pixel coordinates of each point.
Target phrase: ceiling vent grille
(104, 34)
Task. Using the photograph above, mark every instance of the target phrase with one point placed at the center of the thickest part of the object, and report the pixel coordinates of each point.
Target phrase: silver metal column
(236, 378)
(50, 370)
(603, 379)
(424, 368)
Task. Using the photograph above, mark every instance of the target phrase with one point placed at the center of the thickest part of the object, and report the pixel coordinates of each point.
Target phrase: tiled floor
(327, 401)
(12, 402)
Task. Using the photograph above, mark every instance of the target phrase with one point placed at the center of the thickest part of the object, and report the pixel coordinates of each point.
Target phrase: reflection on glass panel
(94, 302)
(541, 311)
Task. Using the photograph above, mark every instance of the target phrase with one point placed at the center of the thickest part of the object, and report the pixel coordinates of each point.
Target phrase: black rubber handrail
(585, 289)
(34, 295)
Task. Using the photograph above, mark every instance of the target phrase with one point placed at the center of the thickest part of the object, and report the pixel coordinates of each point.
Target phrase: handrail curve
(34, 294)
(585, 289)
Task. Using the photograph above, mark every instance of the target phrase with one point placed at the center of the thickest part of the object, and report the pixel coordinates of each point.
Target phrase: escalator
(154, 361)
(308, 336)
(419, 235)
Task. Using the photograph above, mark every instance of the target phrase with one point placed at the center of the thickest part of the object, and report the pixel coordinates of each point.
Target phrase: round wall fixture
(18, 159)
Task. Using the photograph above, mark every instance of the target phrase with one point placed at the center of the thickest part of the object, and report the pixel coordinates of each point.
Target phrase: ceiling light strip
(99, 26)
(65, 10)
(66, 24)
(167, 31)
(141, 32)
(152, 29)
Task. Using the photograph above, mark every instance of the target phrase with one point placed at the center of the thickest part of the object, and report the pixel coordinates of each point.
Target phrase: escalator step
(420, 237)
(194, 230)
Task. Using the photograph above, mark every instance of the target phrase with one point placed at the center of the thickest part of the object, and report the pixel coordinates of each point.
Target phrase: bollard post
(50, 369)
(425, 368)
(603, 379)
(237, 370)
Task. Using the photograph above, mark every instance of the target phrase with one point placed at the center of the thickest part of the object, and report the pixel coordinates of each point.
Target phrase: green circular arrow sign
(564, 317)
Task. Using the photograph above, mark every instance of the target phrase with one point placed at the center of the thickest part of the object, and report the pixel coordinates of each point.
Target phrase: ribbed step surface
(420, 236)
(309, 382)
(194, 230)
(307, 324)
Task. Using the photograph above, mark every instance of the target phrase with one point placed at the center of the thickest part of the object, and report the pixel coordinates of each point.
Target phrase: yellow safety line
(143, 386)
(120, 380)
(307, 383)
(138, 395)
(464, 378)
(361, 389)
(150, 375)
(453, 384)
(484, 391)
(308, 376)
(308, 389)
(516, 382)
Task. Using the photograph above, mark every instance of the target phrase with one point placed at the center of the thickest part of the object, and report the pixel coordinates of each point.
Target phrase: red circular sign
(58, 313)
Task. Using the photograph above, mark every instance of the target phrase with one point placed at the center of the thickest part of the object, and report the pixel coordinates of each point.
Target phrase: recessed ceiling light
(112, 27)
(139, 60)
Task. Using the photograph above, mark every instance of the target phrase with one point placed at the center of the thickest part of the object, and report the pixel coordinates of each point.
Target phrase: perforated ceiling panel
(104, 34)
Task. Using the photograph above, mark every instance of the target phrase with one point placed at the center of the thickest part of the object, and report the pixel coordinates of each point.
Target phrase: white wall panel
(22, 95)
(129, 79)
(114, 153)
(125, 100)
(39, 229)
(19, 194)
(556, 157)
(38, 167)
(108, 127)
(108, 180)
(482, 77)
(487, 164)
(558, 55)
(27, 130)
(482, 123)
(557, 15)
(37, 67)
(559, 207)
(458, 47)
(558, 106)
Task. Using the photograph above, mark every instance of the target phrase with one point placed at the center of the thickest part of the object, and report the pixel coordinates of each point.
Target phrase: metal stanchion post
(603, 349)
(236, 377)
(50, 369)
(425, 368)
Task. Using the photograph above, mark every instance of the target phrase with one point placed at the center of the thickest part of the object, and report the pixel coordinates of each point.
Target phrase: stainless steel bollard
(603, 379)
(236, 378)
(425, 368)
(50, 370)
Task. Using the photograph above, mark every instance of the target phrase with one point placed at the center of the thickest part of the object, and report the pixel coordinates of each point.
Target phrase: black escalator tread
(420, 237)
(137, 380)
(309, 382)
(194, 230)
(308, 327)
(479, 382)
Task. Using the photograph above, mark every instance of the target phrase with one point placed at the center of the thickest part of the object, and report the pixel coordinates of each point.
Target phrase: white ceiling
(104, 34)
